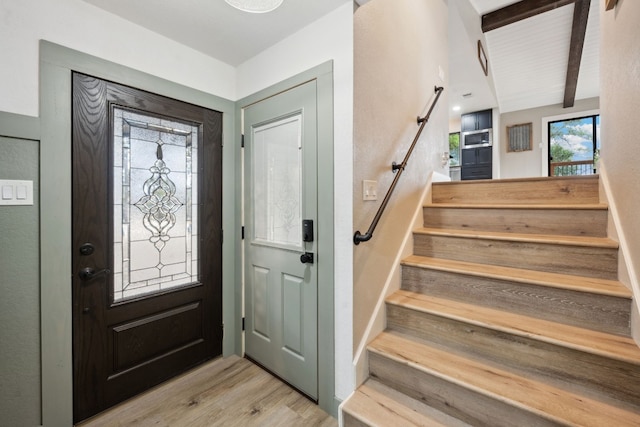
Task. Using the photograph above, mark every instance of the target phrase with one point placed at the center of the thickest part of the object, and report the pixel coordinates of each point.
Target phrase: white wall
(620, 103)
(526, 164)
(84, 27)
(399, 47)
(329, 38)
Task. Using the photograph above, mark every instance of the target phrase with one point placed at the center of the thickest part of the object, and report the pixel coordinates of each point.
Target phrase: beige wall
(399, 46)
(619, 105)
(527, 164)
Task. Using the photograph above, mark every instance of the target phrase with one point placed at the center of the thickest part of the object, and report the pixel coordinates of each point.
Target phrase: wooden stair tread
(376, 404)
(585, 206)
(556, 280)
(545, 400)
(527, 191)
(594, 177)
(598, 242)
(599, 343)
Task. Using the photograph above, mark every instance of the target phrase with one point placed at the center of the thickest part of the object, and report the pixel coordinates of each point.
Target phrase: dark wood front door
(147, 243)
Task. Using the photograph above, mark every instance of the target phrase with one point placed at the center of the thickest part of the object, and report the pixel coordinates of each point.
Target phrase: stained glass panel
(155, 204)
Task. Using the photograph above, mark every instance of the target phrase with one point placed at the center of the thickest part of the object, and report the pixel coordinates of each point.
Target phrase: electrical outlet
(369, 190)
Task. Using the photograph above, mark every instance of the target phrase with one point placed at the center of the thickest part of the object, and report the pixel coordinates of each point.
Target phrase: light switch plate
(369, 190)
(7, 192)
(15, 192)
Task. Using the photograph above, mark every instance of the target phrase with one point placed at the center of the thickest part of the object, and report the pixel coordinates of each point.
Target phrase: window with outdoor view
(454, 149)
(574, 146)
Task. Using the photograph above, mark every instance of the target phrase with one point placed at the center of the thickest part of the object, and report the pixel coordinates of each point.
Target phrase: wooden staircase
(510, 314)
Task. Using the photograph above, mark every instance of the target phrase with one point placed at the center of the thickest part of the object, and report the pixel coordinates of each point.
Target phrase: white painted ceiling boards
(528, 59)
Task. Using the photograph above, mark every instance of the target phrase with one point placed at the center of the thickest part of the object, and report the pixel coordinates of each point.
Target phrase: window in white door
(277, 183)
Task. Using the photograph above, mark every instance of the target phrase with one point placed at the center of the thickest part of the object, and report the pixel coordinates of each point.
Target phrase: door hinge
(242, 232)
(221, 237)
(223, 330)
(243, 323)
(242, 141)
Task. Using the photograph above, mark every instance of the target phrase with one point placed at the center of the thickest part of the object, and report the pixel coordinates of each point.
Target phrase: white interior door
(281, 297)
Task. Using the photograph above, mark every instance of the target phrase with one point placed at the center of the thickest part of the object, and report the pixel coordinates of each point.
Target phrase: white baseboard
(626, 270)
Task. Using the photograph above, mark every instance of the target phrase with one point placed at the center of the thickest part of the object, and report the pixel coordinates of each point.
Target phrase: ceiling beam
(578, 31)
(526, 9)
(518, 11)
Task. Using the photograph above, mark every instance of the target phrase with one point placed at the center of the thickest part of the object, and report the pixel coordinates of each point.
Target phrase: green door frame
(56, 64)
(323, 74)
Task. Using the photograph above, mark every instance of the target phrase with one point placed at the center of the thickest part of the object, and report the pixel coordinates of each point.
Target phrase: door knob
(89, 273)
(306, 258)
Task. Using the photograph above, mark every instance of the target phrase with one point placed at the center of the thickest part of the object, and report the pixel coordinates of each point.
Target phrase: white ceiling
(217, 29)
(528, 59)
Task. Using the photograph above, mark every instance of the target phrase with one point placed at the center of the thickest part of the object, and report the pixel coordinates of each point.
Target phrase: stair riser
(570, 222)
(577, 260)
(349, 420)
(564, 367)
(467, 405)
(598, 312)
(556, 191)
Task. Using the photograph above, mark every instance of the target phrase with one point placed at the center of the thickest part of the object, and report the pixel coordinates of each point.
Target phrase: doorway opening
(574, 145)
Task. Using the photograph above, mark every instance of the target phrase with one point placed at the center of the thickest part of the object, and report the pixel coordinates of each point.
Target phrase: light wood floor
(225, 392)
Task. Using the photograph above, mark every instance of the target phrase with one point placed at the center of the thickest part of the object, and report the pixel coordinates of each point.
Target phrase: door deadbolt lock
(87, 249)
(307, 230)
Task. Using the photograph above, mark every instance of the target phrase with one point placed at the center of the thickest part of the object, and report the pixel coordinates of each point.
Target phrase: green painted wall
(19, 289)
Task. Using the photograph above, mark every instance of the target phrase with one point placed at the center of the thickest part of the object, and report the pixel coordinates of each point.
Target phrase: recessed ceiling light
(456, 108)
(255, 6)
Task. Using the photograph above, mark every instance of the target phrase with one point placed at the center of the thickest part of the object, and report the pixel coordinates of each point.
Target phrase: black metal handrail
(357, 237)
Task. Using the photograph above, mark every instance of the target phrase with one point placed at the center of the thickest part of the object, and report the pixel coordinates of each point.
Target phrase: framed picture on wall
(482, 57)
(519, 137)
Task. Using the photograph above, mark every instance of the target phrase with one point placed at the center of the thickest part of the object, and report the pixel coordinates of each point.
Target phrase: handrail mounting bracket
(399, 168)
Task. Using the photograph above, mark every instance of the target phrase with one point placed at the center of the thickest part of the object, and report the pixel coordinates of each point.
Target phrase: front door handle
(306, 258)
(89, 273)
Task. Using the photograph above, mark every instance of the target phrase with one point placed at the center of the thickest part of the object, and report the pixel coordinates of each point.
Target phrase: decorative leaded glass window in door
(155, 204)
